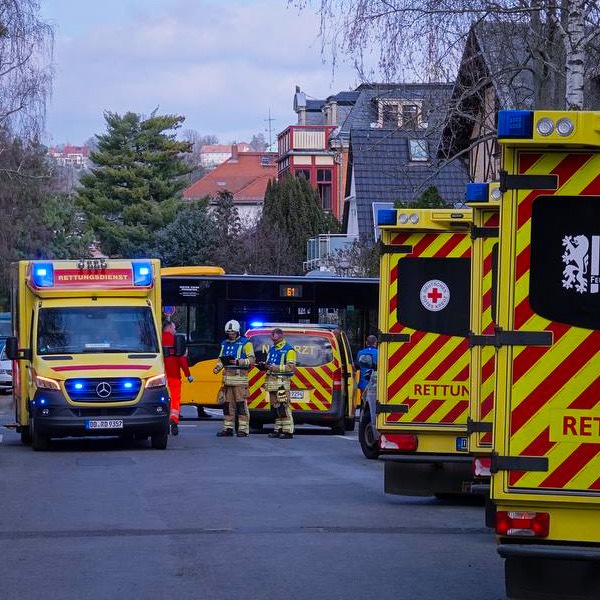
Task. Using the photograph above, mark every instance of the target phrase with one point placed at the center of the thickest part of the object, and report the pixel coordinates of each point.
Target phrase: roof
(245, 176)
(384, 173)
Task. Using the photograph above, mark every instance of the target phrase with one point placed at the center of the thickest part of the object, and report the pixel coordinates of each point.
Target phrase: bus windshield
(79, 330)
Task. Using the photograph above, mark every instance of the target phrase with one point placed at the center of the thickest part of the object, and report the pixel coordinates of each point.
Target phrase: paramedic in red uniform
(173, 367)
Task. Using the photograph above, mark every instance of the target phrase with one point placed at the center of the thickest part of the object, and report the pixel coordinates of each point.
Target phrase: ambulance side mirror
(12, 350)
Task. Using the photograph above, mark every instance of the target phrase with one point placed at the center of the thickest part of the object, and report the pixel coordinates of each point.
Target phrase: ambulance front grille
(103, 389)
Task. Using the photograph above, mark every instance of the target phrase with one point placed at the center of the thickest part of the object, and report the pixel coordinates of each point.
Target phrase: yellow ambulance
(87, 350)
(546, 439)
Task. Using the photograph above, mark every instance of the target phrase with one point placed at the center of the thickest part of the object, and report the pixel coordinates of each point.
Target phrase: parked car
(6, 382)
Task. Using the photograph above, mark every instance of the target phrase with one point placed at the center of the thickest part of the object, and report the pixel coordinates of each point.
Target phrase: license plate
(461, 444)
(296, 394)
(104, 424)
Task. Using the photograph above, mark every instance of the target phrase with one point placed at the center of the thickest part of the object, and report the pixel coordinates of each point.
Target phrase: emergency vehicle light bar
(477, 192)
(517, 124)
(43, 274)
(142, 273)
(386, 216)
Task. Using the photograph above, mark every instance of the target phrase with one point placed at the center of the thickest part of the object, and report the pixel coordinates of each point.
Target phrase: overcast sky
(223, 64)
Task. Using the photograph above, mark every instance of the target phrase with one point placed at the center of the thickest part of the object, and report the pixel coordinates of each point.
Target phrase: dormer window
(418, 151)
(403, 114)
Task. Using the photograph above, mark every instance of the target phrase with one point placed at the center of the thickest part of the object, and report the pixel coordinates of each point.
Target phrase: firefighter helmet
(232, 325)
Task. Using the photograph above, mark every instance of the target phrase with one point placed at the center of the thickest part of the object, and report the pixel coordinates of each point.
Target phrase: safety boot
(225, 433)
(286, 435)
(275, 434)
(242, 434)
(174, 428)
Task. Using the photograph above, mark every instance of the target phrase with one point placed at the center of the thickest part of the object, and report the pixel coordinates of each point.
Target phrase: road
(221, 518)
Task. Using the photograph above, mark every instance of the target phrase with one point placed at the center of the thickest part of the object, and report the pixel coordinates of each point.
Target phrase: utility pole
(270, 120)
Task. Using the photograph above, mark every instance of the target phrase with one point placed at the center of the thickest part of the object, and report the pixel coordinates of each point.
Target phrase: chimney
(234, 152)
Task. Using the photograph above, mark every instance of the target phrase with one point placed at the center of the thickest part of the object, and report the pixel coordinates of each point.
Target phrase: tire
(366, 435)
(159, 441)
(26, 436)
(40, 443)
(350, 423)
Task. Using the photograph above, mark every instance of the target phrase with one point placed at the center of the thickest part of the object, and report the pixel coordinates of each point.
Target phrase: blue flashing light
(256, 324)
(127, 385)
(78, 386)
(477, 192)
(515, 124)
(42, 401)
(386, 216)
(142, 273)
(43, 274)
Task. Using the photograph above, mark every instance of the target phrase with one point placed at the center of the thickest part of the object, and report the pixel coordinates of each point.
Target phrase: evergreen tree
(137, 183)
(189, 240)
(291, 215)
(429, 199)
(228, 229)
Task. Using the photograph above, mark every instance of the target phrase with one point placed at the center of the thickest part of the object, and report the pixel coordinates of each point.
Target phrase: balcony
(329, 251)
(304, 138)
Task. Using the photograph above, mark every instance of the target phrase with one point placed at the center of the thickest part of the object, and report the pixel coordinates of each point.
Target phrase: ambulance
(483, 198)
(87, 350)
(546, 429)
(422, 400)
(323, 390)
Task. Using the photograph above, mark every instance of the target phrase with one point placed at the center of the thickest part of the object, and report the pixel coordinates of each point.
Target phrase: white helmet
(232, 325)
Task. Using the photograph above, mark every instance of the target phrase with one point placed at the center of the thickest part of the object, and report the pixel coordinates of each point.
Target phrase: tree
(258, 143)
(137, 183)
(228, 229)
(424, 39)
(26, 47)
(429, 199)
(189, 240)
(291, 215)
(193, 158)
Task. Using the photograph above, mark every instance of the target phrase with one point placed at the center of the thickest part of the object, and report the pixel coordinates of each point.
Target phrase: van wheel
(366, 435)
(350, 423)
(26, 436)
(339, 427)
(158, 441)
(39, 442)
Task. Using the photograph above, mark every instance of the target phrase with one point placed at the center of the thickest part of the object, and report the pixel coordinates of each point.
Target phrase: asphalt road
(222, 518)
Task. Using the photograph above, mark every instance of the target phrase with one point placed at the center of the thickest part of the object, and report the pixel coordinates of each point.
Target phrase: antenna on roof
(270, 120)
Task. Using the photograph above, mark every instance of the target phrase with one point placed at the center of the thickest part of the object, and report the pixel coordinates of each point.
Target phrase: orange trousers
(174, 385)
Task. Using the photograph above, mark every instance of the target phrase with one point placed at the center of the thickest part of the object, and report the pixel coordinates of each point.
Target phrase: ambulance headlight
(544, 126)
(564, 126)
(414, 218)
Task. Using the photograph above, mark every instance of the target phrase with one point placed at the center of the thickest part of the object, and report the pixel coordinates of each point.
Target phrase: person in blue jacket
(369, 349)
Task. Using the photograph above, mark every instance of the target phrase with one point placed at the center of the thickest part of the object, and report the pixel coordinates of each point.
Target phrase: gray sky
(223, 64)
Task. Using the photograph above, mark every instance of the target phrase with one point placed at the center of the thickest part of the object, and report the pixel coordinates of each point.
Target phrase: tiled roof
(383, 172)
(245, 177)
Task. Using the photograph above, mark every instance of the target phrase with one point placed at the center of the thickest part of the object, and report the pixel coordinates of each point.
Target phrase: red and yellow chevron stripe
(313, 384)
(483, 358)
(546, 386)
(430, 373)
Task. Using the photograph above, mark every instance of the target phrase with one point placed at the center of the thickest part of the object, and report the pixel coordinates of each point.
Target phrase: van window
(312, 350)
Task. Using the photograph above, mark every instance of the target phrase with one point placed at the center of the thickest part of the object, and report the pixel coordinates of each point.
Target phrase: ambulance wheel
(39, 442)
(366, 435)
(158, 441)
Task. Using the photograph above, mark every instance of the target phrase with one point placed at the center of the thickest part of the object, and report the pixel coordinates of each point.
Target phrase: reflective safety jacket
(283, 356)
(242, 351)
(174, 364)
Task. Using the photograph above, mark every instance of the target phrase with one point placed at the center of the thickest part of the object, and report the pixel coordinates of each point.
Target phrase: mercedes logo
(103, 389)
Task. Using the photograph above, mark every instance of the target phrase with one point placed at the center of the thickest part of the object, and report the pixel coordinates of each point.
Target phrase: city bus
(201, 299)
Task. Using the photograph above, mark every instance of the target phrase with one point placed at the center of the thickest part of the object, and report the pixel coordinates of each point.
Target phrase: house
(212, 155)
(499, 70)
(313, 148)
(245, 175)
(71, 156)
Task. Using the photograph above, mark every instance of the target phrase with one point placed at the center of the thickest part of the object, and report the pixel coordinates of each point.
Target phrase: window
(390, 115)
(265, 160)
(418, 151)
(324, 178)
(410, 116)
(303, 173)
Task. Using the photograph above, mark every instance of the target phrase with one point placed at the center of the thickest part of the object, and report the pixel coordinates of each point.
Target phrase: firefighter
(279, 367)
(235, 358)
(173, 367)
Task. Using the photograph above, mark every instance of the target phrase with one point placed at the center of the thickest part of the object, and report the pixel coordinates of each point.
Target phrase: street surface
(221, 518)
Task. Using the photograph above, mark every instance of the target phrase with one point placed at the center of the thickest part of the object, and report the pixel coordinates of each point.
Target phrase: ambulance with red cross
(86, 350)
(546, 434)
(421, 404)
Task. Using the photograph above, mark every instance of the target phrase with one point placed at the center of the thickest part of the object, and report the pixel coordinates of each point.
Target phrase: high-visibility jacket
(242, 350)
(283, 356)
(174, 364)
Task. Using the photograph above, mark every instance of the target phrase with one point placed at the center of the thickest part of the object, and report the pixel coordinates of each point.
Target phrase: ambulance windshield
(79, 330)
